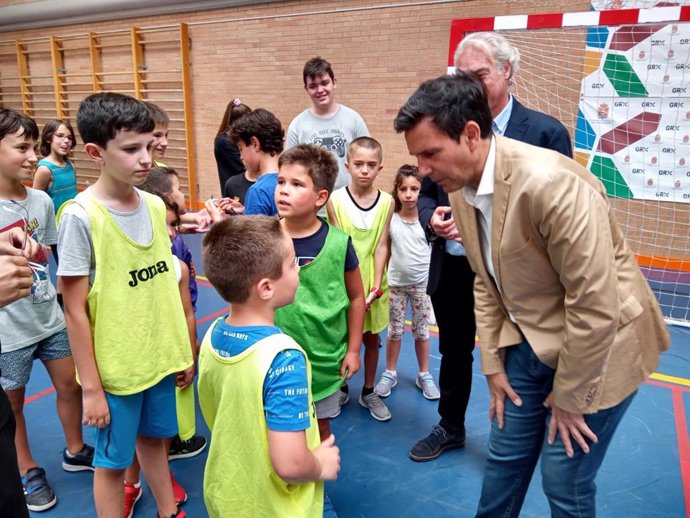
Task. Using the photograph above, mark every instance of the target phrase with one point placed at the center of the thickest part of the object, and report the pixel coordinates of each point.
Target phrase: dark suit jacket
(526, 125)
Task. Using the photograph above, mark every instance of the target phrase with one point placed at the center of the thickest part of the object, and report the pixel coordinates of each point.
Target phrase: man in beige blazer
(568, 327)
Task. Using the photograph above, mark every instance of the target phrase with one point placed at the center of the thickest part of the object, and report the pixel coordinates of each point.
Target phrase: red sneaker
(133, 493)
(178, 514)
(178, 491)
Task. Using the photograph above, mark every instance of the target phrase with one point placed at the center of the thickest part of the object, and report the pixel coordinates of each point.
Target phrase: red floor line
(34, 397)
(683, 445)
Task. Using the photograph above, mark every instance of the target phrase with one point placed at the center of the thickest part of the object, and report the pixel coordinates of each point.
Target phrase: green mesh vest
(239, 479)
(317, 319)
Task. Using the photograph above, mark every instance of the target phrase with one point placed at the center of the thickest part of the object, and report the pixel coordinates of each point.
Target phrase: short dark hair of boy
(102, 115)
(158, 180)
(238, 252)
(405, 171)
(48, 132)
(316, 67)
(12, 121)
(160, 116)
(318, 161)
(170, 204)
(263, 125)
(366, 143)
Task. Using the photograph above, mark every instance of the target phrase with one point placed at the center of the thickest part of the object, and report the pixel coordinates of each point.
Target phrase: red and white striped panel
(458, 28)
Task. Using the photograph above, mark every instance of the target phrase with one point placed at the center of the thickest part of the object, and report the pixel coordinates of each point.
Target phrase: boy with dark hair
(259, 135)
(34, 326)
(160, 132)
(327, 123)
(266, 458)
(364, 212)
(127, 328)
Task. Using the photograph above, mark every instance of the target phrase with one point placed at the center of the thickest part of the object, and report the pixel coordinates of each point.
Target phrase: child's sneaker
(344, 395)
(37, 492)
(133, 493)
(180, 449)
(178, 514)
(426, 383)
(377, 408)
(386, 383)
(178, 491)
(80, 461)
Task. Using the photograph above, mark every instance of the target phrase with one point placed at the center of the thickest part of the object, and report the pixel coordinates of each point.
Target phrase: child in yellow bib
(265, 458)
(122, 304)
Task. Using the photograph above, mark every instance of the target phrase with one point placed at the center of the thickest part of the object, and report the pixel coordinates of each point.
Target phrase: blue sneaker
(328, 509)
(37, 492)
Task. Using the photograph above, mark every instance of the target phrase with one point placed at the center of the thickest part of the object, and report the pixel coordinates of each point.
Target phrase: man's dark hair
(263, 125)
(11, 121)
(316, 67)
(450, 102)
(102, 115)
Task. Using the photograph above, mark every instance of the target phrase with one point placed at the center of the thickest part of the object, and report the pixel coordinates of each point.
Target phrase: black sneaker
(80, 461)
(38, 494)
(180, 449)
(434, 444)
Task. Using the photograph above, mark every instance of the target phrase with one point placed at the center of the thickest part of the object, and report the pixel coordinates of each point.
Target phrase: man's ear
(473, 134)
(94, 152)
(264, 289)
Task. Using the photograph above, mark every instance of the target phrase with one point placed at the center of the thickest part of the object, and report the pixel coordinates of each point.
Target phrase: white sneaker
(386, 383)
(426, 383)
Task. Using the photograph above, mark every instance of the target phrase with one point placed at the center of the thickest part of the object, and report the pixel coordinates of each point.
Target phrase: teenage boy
(266, 458)
(364, 212)
(127, 328)
(34, 326)
(327, 123)
(259, 136)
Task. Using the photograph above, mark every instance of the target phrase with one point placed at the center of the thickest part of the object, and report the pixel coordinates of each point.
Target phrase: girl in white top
(408, 270)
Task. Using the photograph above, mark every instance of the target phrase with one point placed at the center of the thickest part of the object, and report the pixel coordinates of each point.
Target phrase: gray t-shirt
(333, 133)
(38, 315)
(74, 239)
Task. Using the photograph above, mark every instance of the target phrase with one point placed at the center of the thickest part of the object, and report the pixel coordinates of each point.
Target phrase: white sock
(392, 373)
(420, 374)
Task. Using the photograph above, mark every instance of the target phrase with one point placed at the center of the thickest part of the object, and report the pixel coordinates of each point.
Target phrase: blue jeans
(513, 451)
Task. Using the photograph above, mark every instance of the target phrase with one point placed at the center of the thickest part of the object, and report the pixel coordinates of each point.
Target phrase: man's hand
(444, 228)
(12, 241)
(96, 411)
(16, 279)
(499, 388)
(569, 426)
(350, 364)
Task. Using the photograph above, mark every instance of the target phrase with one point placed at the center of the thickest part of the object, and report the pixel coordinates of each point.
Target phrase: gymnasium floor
(646, 472)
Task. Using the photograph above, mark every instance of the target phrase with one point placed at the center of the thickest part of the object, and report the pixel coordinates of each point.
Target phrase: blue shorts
(150, 413)
(15, 366)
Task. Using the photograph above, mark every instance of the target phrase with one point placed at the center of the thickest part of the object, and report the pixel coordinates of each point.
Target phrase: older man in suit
(496, 61)
(568, 327)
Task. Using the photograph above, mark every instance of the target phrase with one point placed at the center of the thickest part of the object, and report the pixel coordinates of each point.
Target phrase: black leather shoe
(434, 444)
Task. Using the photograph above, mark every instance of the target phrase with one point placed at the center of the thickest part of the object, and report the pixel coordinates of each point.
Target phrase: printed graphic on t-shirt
(331, 139)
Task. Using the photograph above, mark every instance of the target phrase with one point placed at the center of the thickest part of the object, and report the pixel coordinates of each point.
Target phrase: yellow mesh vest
(137, 320)
(239, 480)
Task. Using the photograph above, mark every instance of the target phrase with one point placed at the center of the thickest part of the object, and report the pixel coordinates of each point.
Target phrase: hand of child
(328, 455)
(213, 210)
(203, 220)
(369, 300)
(350, 364)
(230, 206)
(96, 411)
(184, 379)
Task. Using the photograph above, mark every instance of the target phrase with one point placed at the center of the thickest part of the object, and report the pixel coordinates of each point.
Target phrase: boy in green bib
(266, 458)
(123, 308)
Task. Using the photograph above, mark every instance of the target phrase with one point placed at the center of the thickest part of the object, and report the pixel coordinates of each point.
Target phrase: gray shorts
(329, 406)
(15, 366)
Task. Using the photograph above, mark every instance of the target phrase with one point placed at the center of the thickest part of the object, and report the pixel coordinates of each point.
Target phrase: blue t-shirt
(286, 388)
(182, 252)
(261, 197)
(307, 248)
